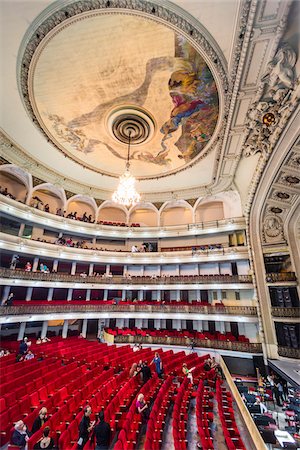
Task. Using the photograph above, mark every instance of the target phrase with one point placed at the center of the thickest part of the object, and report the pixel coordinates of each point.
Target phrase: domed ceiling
(94, 79)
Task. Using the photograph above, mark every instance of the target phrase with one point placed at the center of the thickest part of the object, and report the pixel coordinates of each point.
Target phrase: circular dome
(118, 71)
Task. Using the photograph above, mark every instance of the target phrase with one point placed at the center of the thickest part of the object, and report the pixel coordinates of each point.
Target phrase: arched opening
(207, 212)
(12, 186)
(176, 215)
(112, 214)
(81, 209)
(47, 200)
(144, 216)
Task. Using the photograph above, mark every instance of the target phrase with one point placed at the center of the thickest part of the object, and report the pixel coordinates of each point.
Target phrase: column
(91, 269)
(50, 294)
(139, 323)
(142, 270)
(124, 270)
(144, 323)
(163, 323)
(141, 295)
(35, 264)
(73, 268)
(242, 328)
(120, 323)
(157, 324)
(107, 269)
(28, 294)
(177, 270)
(88, 295)
(84, 327)
(6, 292)
(183, 324)
(65, 329)
(198, 294)
(220, 326)
(21, 230)
(178, 295)
(44, 329)
(105, 294)
(176, 324)
(126, 323)
(227, 327)
(55, 265)
(94, 241)
(21, 332)
(159, 271)
(123, 294)
(158, 297)
(69, 295)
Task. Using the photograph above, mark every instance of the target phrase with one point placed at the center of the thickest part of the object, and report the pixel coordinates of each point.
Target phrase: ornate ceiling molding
(63, 13)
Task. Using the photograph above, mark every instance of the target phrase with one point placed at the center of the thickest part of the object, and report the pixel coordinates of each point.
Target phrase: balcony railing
(281, 277)
(285, 312)
(118, 279)
(289, 352)
(206, 343)
(103, 306)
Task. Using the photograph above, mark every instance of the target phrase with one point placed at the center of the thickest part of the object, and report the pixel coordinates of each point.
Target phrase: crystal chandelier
(126, 194)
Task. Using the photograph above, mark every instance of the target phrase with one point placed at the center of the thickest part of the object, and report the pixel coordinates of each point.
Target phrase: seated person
(188, 372)
(20, 435)
(40, 420)
(46, 441)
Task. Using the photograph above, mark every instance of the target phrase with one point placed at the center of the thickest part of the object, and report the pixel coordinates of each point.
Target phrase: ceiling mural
(96, 78)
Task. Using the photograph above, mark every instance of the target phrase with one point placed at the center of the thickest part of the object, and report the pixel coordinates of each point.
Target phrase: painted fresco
(156, 70)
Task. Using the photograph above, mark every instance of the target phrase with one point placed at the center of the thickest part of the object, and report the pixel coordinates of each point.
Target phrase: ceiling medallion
(269, 119)
(134, 120)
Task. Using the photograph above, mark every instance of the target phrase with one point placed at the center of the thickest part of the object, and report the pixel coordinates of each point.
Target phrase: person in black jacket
(102, 433)
(20, 435)
(146, 372)
(85, 427)
(40, 420)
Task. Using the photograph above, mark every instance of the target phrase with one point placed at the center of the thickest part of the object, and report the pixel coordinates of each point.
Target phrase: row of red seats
(157, 420)
(226, 413)
(176, 334)
(180, 415)
(131, 427)
(204, 415)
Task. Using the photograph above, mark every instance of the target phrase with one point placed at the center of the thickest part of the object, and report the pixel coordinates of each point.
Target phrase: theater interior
(150, 224)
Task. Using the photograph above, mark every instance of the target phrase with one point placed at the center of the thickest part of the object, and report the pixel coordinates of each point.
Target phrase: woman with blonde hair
(40, 420)
(142, 407)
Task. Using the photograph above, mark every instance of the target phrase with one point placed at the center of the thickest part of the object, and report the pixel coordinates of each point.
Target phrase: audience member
(23, 346)
(133, 371)
(46, 441)
(20, 435)
(142, 407)
(9, 300)
(188, 372)
(102, 433)
(40, 420)
(29, 355)
(146, 372)
(28, 266)
(14, 262)
(263, 408)
(85, 427)
(158, 364)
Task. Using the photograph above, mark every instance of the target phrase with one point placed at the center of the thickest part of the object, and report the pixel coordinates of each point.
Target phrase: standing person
(142, 407)
(14, 261)
(280, 391)
(146, 372)
(23, 346)
(85, 427)
(158, 365)
(101, 433)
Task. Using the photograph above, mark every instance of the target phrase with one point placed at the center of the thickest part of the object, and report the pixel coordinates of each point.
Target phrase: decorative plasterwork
(163, 12)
